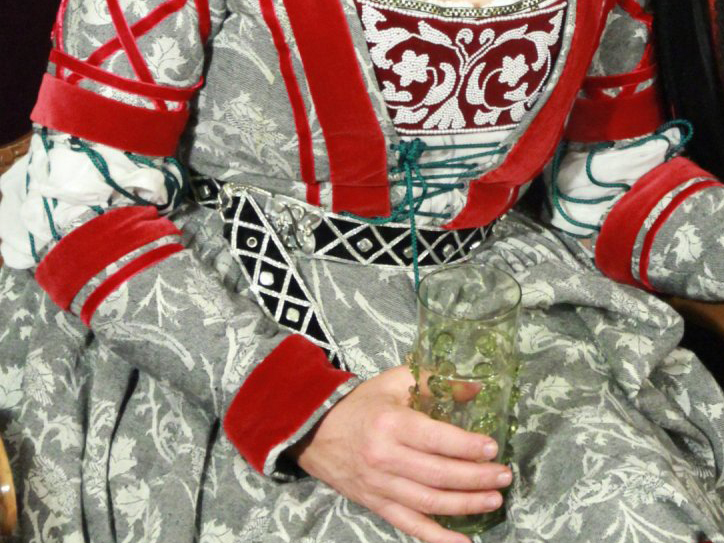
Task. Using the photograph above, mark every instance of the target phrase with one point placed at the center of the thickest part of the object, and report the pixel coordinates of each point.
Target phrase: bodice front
(453, 70)
(452, 74)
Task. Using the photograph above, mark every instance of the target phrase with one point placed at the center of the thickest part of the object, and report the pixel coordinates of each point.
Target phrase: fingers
(435, 437)
(417, 525)
(433, 501)
(449, 473)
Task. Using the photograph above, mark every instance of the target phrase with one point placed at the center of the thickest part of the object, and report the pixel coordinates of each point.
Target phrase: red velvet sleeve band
(608, 119)
(279, 396)
(615, 244)
(134, 267)
(72, 109)
(89, 249)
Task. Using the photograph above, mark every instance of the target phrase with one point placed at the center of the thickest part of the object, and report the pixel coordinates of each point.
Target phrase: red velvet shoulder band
(64, 106)
(80, 112)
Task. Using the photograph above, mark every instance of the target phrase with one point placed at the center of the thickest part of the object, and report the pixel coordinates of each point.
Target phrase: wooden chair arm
(8, 504)
(708, 315)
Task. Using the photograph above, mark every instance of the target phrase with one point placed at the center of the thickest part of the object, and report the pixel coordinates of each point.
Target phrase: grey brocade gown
(113, 433)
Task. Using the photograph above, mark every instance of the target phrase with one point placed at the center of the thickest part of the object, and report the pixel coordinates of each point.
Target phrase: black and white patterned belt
(331, 236)
(264, 230)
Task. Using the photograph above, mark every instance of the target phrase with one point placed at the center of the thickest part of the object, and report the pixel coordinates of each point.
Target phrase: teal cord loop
(409, 154)
(76, 144)
(48, 145)
(686, 130)
(176, 189)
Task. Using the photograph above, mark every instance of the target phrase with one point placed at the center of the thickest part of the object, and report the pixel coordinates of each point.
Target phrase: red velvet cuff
(279, 396)
(80, 112)
(90, 248)
(615, 244)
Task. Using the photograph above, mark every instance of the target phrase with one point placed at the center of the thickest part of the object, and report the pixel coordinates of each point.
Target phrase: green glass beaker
(465, 360)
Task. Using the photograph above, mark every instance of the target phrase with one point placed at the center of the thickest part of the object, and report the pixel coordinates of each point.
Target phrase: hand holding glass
(465, 361)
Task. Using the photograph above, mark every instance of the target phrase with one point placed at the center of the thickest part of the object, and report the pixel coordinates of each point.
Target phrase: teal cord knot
(409, 165)
(409, 153)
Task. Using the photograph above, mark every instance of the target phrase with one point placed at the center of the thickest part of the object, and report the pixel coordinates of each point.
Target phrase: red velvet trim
(616, 118)
(513, 198)
(635, 77)
(202, 8)
(90, 248)
(537, 144)
(57, 33)
(355, 144)
(71, 109)
(659, 222)
(133, 268)
(635, 10)
(58, 30)
(299, 110)
(138, 29)
(370, 205)
(149, 90)
(314, 196)
(128, 41)
(615, 244)
(279, 396)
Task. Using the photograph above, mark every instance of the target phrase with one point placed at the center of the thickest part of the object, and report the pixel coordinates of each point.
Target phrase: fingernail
(491, 449)
(505, 478)
(494, 501)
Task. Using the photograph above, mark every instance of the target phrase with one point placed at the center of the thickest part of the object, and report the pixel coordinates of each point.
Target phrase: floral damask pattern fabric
(621, 433)
(460, 76)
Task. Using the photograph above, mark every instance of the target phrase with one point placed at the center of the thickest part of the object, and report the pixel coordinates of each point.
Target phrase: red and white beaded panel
(443, 73)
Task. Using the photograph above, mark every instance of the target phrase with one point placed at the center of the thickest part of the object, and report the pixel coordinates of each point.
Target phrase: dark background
(24, 48)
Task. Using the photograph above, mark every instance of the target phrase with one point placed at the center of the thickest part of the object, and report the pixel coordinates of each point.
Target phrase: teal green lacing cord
(31, 238)
(76, 144)
(409, 165)
(176, 189)
(48, 145)
(686, 129)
